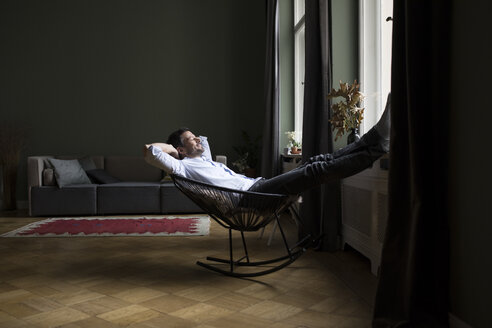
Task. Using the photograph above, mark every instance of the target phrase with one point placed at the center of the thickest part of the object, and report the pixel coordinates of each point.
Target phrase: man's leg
(309, 175)
(345, 162)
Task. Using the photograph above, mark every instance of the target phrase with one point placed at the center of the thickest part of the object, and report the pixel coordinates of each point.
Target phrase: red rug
(197, 225)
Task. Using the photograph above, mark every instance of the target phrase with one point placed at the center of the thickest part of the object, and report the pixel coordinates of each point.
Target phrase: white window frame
(299, 63)
(375, 57)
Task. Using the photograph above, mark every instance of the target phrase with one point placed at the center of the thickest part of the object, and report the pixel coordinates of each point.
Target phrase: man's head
(186, 143)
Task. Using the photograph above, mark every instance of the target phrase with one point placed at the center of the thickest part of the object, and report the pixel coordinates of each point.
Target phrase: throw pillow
(47, 164)
(69, 172)
(101, 176)
(49, 177)
(87, 163)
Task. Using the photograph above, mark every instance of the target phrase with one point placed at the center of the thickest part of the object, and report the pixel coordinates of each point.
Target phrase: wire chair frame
(241, 211)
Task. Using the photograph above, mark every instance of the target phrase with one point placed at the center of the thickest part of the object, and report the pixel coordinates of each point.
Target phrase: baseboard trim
(455, 322)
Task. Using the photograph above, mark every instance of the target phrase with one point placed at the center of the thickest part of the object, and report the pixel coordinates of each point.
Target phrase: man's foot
(383, 126)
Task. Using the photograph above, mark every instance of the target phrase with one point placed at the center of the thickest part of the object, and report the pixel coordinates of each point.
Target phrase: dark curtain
(270, 150)
(320, 208)
(413, 285)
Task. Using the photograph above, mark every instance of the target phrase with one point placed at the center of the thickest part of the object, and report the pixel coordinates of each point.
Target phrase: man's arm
(166, 148)
(206, 148)
(163, 156)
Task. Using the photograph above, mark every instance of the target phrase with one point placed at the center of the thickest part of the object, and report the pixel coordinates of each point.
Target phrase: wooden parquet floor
(154, 282)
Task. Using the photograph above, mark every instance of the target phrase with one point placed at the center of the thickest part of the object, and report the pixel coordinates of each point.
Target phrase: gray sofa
(135, 187)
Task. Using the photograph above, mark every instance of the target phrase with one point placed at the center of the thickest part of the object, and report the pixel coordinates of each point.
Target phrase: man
(188, 155)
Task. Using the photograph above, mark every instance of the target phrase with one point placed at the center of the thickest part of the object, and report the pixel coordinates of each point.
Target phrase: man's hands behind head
(166, 148)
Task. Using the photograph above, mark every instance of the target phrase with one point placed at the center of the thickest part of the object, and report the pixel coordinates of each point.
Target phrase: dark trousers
(320, 169)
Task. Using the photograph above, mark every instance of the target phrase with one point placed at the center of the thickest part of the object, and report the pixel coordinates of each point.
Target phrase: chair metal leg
(293, 209)
(272, 233)
(261, 233)
(230, 250)
(290, 259)
(283, 235)
(291, 256)
(253, 263)
(244, 246)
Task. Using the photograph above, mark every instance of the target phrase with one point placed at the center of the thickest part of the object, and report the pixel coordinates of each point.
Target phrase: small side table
(290, 161)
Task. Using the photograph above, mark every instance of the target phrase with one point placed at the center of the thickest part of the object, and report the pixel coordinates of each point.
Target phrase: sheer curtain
(321, 206)
(413, 285)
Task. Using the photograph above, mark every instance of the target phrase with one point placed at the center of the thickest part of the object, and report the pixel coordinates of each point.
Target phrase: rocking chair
(241, 211)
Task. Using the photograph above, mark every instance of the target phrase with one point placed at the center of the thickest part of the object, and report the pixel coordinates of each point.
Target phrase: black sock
(383, 126)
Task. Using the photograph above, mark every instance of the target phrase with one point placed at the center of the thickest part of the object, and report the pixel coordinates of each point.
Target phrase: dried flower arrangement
(347, 115)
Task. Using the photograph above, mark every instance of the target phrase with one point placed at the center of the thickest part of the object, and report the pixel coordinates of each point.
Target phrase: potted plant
(249, 154)
(294, 144)
(347, 115)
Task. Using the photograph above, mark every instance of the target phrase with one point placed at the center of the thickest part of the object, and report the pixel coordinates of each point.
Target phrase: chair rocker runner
(241, 211)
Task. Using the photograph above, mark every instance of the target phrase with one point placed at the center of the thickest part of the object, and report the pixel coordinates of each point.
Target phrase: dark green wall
(107, 76)
(286, 71)
(345, 33)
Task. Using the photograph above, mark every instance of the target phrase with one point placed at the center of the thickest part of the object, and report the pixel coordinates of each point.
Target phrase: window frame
(374, 58)
(299, 63)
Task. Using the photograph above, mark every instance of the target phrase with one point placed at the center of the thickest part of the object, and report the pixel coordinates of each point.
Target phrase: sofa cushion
(71, 200)
(68, 172)
(128, 198)
(174, 201)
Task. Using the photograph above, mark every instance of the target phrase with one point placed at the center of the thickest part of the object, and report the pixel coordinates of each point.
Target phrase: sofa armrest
(221, 159)
(35, 167)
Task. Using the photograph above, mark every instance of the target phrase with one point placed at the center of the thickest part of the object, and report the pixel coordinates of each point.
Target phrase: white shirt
(200, 168)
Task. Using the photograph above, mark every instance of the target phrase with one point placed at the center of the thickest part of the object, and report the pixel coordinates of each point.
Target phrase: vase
(295, 150)
(353, 136)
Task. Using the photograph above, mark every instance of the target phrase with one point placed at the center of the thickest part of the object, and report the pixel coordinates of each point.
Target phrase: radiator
(365, 212)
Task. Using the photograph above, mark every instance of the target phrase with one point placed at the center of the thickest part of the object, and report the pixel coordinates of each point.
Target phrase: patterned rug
(196, 225)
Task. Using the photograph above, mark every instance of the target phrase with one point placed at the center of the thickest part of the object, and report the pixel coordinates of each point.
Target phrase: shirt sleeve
(156, 157)
(207, 153)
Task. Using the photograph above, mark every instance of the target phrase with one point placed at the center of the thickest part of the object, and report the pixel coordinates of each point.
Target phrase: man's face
(192, 145)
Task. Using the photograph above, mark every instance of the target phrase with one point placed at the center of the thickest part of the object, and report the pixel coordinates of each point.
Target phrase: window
(375, 57)
(299, 62)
